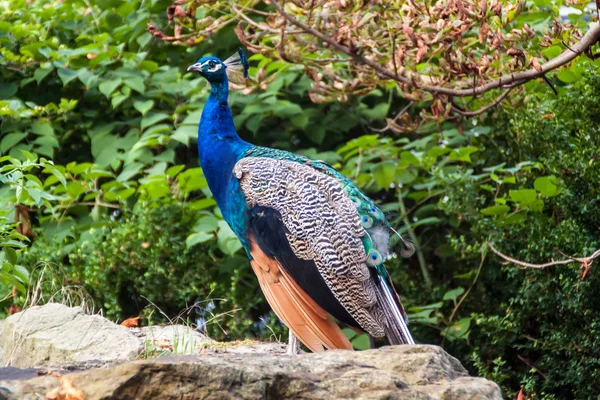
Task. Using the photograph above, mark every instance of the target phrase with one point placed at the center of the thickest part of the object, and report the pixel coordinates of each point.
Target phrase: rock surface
(178, 339)
(67, 339)
(57, 335)
(396, 372)
(54, 334)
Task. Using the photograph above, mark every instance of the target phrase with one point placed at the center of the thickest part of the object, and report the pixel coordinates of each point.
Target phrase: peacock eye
(366, 221)
(374, 258)
(211, 64)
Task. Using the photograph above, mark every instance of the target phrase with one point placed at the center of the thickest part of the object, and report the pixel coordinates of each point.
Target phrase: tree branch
(591, 37)
(586, 262)
(493, 104)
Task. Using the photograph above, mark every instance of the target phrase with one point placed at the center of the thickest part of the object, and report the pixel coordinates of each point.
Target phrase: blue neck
(219, 146)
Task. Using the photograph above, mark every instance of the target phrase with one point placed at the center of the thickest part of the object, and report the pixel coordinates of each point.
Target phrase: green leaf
(410, 158)
(66, 75)
(546, 185)
(202, 204)
(117, 99)
(10, 255)
(184, 133)
(523, 196)
(227, 241)
(30, 157)
(152, 119)
(316, 134)
(385, 173)
(285, 109)
(8, 90)
(361, 342)
(453, 294)
(42, 128)
(136, 83)
(59, 175)
(349, 333)
(40, 73)
(174, 170)
(143, 106)
(537, 205)
(208, 223)
(21, 273)
(378, 112)
(196, 238)
(46, 141)
(496, 210)
(552, 51)
(516, 219)
(438, 151)
(10, 140)
(129, 172)
(108, 86)
(433, 306)
(463, 153)
(300, 121)
(458, 330)
(567, 76)
(88, 78)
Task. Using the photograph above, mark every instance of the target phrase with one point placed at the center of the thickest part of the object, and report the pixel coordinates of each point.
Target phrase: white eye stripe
(213, 69)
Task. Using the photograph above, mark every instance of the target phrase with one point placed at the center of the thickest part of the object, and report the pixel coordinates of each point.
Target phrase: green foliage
(538, 329)
(142, 258)
(12, 273)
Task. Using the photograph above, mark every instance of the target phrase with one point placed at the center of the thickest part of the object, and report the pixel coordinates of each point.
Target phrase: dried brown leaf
(131, 322)
(421, 53)
(13, 309)
(483, 31)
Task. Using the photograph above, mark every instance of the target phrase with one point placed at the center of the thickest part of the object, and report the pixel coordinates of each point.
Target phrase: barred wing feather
(322, 224)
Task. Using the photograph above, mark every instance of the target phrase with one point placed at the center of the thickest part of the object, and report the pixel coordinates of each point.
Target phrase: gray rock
(54, 334)
(397, 372)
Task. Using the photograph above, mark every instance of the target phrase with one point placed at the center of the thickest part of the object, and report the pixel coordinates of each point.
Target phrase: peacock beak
(195, 67)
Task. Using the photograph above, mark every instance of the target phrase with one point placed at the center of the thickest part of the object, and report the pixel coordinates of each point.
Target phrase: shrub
(141, 258)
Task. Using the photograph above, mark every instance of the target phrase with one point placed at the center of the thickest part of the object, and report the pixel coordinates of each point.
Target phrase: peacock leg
(293, 345)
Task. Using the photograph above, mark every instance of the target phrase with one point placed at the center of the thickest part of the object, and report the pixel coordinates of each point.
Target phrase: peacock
(316, 243)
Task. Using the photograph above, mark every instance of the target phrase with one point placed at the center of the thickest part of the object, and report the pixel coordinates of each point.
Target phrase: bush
(538, 329)
(141, 258)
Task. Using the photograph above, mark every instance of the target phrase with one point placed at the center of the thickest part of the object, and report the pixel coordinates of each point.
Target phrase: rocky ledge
(224, 371)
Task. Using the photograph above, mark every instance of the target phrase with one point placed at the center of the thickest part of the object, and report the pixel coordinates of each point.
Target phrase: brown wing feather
(309, 322)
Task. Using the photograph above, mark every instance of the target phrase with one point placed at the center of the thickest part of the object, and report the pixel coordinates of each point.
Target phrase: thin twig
(464, 296)
(493, 104)
(91, 203)
(415, 241)
(586, 262)
(531, 365)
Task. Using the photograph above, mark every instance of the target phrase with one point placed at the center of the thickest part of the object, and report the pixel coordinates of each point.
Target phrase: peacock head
(216, 71)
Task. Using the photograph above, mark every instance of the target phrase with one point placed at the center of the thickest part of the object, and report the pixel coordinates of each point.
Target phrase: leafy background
(101, 190)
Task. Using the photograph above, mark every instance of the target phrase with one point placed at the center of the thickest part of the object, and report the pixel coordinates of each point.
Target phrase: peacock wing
(322, 226)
